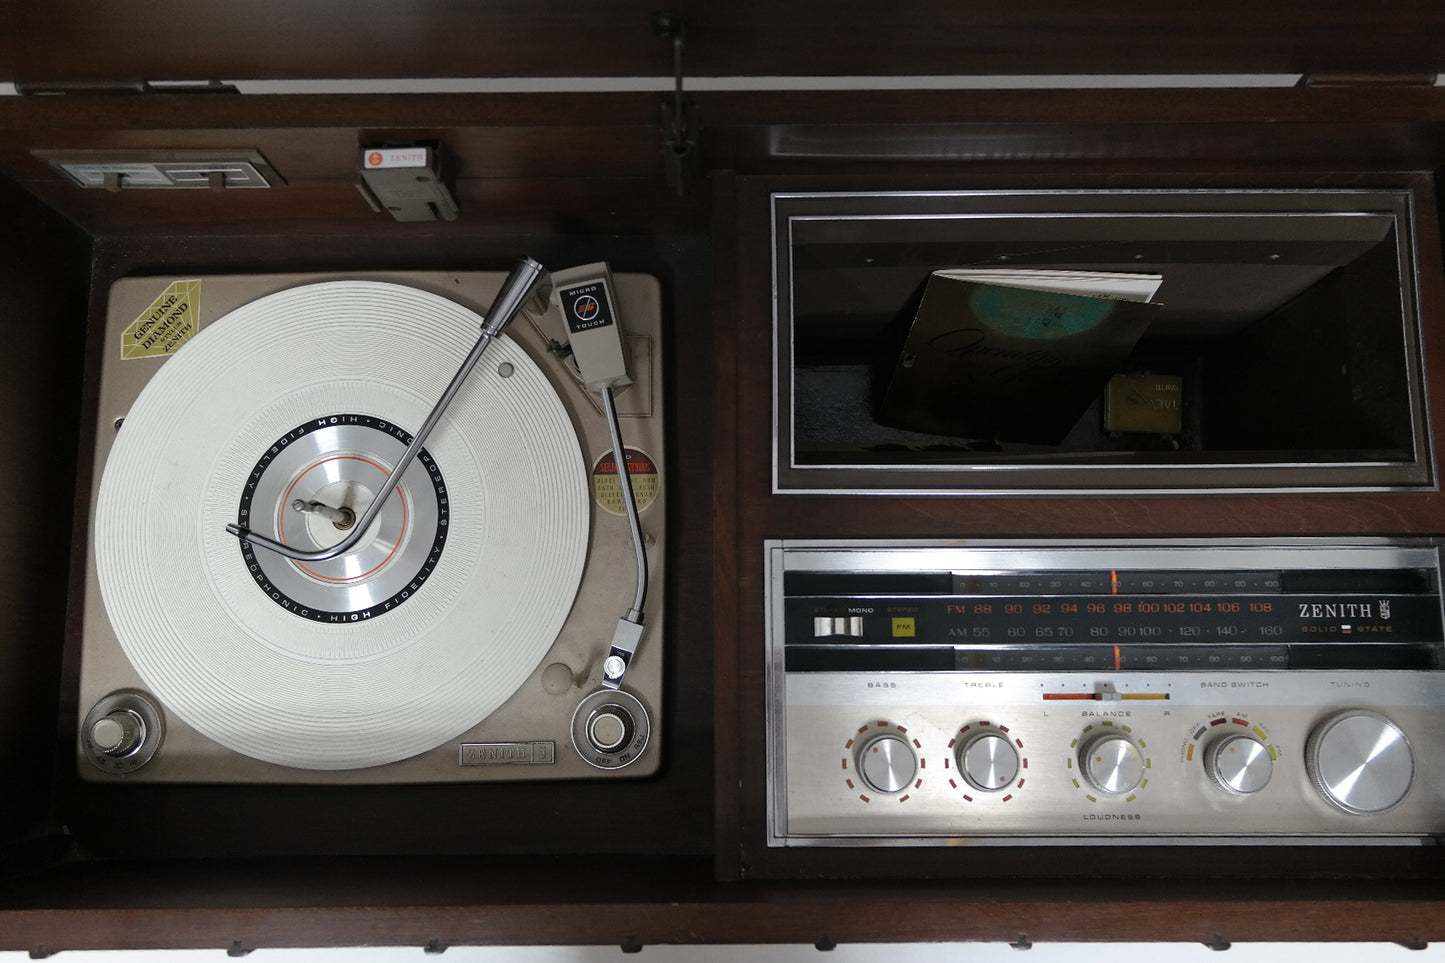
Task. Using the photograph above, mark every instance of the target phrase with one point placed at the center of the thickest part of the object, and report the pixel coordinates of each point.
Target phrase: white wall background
(857, 953)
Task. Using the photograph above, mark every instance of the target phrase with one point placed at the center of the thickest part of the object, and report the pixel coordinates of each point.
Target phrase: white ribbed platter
(263, 681)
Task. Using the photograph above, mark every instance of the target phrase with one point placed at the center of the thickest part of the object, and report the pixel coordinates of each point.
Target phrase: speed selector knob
(988, 762)
(1239, 764)
(1360, 762)
(117, 733)
(122, 732)
(1112, 764)
(887, 763)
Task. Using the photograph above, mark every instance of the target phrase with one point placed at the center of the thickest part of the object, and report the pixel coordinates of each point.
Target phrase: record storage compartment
(1285, 348)
(679, 857)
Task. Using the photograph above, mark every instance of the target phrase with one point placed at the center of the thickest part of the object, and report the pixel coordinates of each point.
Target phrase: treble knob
(988, 762)
(1360, 762)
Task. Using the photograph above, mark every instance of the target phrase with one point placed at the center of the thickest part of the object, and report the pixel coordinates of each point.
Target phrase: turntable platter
(455, 594)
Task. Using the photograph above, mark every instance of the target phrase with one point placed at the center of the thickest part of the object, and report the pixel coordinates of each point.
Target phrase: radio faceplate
(1184, 692)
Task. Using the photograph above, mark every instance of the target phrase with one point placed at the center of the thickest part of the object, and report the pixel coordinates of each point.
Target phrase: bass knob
(887, 763)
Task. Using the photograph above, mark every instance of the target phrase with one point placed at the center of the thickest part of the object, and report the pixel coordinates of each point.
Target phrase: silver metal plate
(1175, 725)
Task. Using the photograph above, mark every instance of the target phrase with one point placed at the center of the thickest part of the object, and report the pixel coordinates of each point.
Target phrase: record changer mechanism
(388, 562)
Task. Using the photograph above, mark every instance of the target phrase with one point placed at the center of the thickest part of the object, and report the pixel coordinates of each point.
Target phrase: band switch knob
(1239, 764)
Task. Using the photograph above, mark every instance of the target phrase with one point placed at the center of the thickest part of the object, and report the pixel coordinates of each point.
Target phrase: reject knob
(1239, 764)
(988, 761)
(887, 763)
(1360, 762)
(1112, 764)
(609, 728)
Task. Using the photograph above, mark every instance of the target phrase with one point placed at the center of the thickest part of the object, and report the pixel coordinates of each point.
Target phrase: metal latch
(410, 183)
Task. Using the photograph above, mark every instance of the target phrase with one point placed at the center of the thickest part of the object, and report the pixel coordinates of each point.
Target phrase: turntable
(346, 530)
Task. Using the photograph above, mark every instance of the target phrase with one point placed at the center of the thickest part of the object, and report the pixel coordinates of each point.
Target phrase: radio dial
(887, 763)
(1239, 764)
(1360, 762)
(988, 762)
(1112, 764)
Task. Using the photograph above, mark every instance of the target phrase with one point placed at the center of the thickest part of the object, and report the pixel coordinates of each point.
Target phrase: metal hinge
(680, 126)
(82, 87)
(1368, 80)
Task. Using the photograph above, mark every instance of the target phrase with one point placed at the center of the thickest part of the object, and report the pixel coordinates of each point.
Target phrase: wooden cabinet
(923, 96)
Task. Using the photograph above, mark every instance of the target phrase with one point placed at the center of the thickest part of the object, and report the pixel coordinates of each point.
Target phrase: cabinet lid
(84, 43)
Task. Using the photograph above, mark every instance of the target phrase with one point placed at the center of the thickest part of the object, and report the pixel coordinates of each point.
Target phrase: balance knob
(1239, 764)
(887, 763)
(1112, 764)
(1360, 762)
(988, 762)
(117, 733)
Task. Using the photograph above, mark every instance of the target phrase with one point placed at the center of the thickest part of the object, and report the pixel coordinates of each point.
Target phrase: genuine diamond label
(171, 320)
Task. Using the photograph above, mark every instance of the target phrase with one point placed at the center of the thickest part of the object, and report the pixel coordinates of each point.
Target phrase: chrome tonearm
(516, 290)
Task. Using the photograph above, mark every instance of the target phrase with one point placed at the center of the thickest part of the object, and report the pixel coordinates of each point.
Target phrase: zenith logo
(1345, 610)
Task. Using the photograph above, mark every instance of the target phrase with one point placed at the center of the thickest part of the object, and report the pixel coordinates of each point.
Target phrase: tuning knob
(1360, 762)
(887, 763)
(988, 762)
(1239, 764)
(1112, 764)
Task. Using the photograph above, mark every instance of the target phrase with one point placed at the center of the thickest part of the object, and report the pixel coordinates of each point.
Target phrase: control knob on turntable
(610, 729)
(121, 732)
(1360, 762)
(117, 733)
